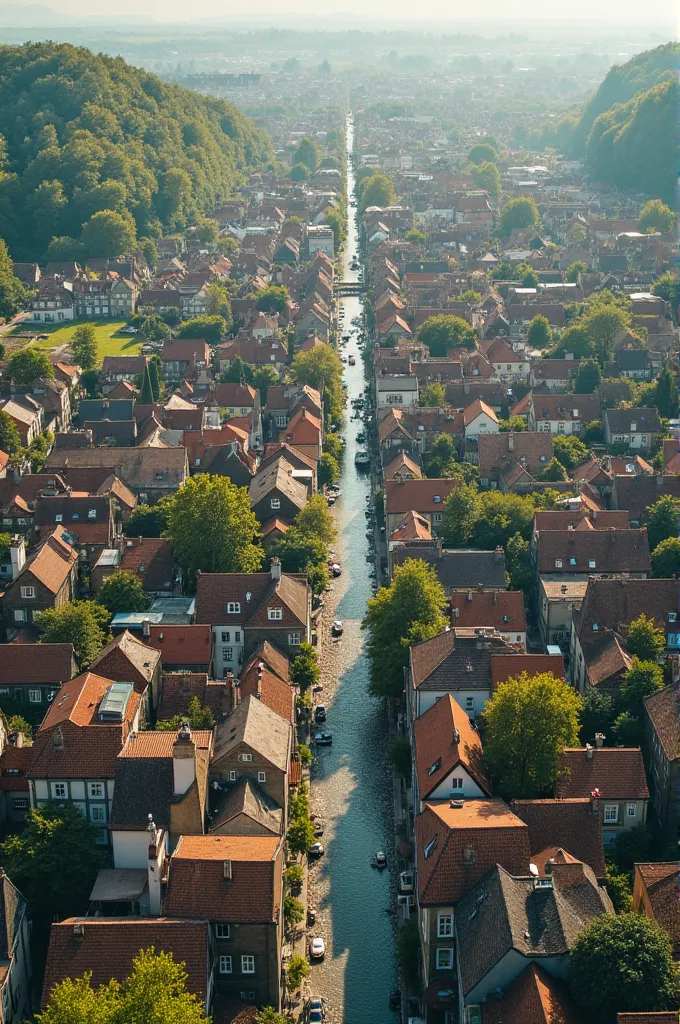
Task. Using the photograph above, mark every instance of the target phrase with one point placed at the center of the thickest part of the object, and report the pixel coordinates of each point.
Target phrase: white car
(316, 850)
(317, 948)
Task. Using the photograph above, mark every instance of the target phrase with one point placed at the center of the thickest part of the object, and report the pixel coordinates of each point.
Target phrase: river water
(351, 781)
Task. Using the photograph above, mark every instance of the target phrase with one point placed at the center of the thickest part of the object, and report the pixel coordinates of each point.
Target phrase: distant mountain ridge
(14, 15)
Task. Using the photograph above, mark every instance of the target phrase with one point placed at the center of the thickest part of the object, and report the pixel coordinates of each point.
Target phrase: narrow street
(351, 780)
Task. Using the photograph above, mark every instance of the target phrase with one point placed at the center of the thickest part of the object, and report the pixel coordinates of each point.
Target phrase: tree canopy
(84, 346)
(663, 518)
(378, 190)
(656, 216)
(539, 334)
(81, 623)
(321, 369)
(443, 332)
(123, 592)
(520, 212)
(27, 365)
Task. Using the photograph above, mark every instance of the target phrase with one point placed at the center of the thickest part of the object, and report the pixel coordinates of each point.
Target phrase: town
(340, 544)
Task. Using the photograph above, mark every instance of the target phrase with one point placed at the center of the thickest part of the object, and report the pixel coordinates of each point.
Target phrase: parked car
(336, 628)
(316, 850)
(317, 948)
(323, 739)
(316, 1012)
(336, 570)
(320, 713)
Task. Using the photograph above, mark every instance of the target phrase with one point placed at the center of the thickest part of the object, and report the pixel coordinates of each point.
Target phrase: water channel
(351, 781)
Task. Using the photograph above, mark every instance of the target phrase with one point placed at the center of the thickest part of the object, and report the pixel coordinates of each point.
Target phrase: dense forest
(82, 133)
(622, 83)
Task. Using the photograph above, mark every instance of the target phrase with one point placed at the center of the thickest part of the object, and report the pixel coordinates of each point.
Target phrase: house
(400, 391)
(425, 496)
(119, 368)
(150, 473)
(506, 923)
(460, 570)
(128, 660)
(402, 467)
(633, 364)
(28, 416)
(447, 756)
(162, 777)
(507, 364)
(151, 560)
(86, 520)
(533, 992)
(184, 358)
(499, 453)
(479, 419)
(54, 302)
(275, 491)
(563, 830)
(47, 580)
(258, 680)
(16, 968)
(76, 748)
(456, 662)
(236, 883)
(554, 374)
(655, 894)
(502, 611)
(616, 775)
(182, 648)
(31, 674)
(456, 843)
(557, 602)
(304, 432)
(634, 428)
(284, 400)
(562, 414)
(662, 733)
(254, 743)
(245, 609)
(560, 553)
(106, 947)
(636, 493)
(178, 689)
(606, 660)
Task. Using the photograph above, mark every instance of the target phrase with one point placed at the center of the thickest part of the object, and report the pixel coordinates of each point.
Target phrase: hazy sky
(654, 15)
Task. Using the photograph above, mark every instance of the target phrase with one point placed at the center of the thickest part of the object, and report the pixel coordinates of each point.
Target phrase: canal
(351, 780)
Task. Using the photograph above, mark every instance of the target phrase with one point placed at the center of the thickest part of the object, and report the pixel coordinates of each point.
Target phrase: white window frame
(96, 790)
(95, 817)
(261, 776)
(225, 965)
(293, 639)
(20, 803)
(226, 637)
(227, 654)
(233, 607)
(232, 775)
(247, 963)
(222, 931)
(245, 757)
(445, 925)
(35, 696)
(631, 810)
(608, 810)
(591, 563)
(444, 958)
(27, 592)
(57, 787)
(275, 614)
(275, 502)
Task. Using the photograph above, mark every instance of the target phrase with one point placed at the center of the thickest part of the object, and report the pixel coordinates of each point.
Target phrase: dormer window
(92, 513)
(274, 614)
(75, 516)
(59, 518)
(558, 563)
(430, 847)
(596, 626)
(572, 560)
(591, 563)
(160, 474)
(233, 607)
(435, 767)
(672, 616)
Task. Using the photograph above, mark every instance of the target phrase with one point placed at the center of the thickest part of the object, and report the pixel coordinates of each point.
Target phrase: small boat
(362, 458)
(380, 860)
(323, 739)
(337, 628)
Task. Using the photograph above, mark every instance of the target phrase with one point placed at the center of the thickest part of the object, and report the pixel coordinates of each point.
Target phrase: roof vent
(78, 930)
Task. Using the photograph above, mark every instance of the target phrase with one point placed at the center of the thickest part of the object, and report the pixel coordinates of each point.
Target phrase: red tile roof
(534, 997)
(181, 645)
(510, 666)
(444, 738)
(662, 710)
(404, 495)
(571, 825)
(150, 560)
(178, 688)
(267, 687)
(14, 765)
(593, 551)
(660, 883)
(504, 611)
(618, 773)
(35, 663)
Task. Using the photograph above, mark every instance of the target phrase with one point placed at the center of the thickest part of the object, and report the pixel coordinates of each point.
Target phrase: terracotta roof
(503, 610)
(660, 883)
(197, 885)
(412, 527)
(178, 688)
(558, 519)
(181, 645)
(571, 825)
(463, 843)
(462, 662)
(404, 495)
(267, 687)
(510, 666)
(566, 408)
(618, 773)
(478, 408)
(606, 658)
(151, 560)
(215, 590)
(662, 711)
(529, 448)
(14, 766)
(660, 1017)
(534, 996)
(35, 663)
(608, 551)
(402, 461)
(275, 661)
(159, 743)
(107, 947)
(128, 660)
(51, 564)
(245, 798)
(444, 738)
(638, 493)
(614, 604)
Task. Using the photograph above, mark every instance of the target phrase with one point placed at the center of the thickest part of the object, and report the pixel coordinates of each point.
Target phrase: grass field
(110, 341)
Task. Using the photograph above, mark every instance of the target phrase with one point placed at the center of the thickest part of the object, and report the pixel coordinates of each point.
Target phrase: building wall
(276, 781)
(471, 701)
(84, 794)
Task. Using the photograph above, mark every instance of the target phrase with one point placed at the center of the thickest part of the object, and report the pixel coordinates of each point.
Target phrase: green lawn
(110, 342)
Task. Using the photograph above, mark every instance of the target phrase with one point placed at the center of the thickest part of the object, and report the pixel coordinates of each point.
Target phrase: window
(437, 517)
(232, 776)
(34, 697)
(261, 776)
(233, 608)
(558, 563)
(96, 790)
(456, 783)
(237, 637)
(223, 931)
(59, 790)
(275, 503)
(572, 560)
(225, 963)
(7, 522)
(20, 803)
(469, 703)
(98, 814)
(444, 959)
(248, 964)
(226, 637)
(28, 592)
(227, 654)
(245, 757)
(160, 474)
(611, 813)
(430, 847)
(274, 614)
(596, 626)
(281, 421)
(631, 810)
(293, 639)
(247, 997)
(591, 563)
(473, 1015)
(92, 513)
(59, 518)
(445, 926)
(19, 615)
(672, 616)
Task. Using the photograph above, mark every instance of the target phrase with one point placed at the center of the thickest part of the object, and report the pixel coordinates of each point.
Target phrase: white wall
(130, 849)
(477, 698)
(444, 790)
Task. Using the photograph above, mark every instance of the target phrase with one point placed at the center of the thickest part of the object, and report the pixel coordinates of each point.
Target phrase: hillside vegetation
(82, 132)
(622, 83)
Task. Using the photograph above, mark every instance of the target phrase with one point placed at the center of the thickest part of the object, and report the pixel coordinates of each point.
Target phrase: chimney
(183, 761)
(659, 481)
(599, 739)
(234, 447)
(589, 752)
(146, 627)
(276, 568)
(511, 442)
(17, 551)
(499, 554)
(57, 739)
(456, 735)
(153, 869)
(595, 801)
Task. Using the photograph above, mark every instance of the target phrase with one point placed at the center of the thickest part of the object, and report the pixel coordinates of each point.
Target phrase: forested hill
(84, 132)
(622, 83)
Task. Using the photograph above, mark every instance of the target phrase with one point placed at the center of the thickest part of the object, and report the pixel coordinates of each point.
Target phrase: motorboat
(380, 860)
(337, 628)
(323, 739)
(362, 458)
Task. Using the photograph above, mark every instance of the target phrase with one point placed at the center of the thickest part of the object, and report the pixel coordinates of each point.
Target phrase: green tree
(307, 153)
(156, 377)
(377, 190)
(410, 609)
(305, 755)
(443, 332)
(238, 372)
(84, 346)
(416, 236)
(264, 378)
(443, 457)
(529, 277)
(588, 378)
(146, 390)
(574, 270)
(299, 172)
(666, 559)
(619, 889)
(433, 396)
(10, 438)
(268, 1015)
(329, 470)
(553, 471)
(54, 831)
(602, 326)
(206, 232)
(300, 835)
(336, 221)
(656, 216)
(147, 520)
(155, 992)
(149, 250)
(574, 341)
(487, 176)
(109, 233)
(635, 846)
(627, 730)
(518, 564)
(399, 752)
(667, 287)
(645, 639)
(460, 513)
(539, 334)
(321, 369)
(641, 679)
(594, 433)
(81, 623)
(569, 450)
(408, 952)
(198, 717)
(515, 424)
(304, 668)
(519, 213)
(212, 328)
(663, 518)
(273, 299)
(501, 517)
(297, 970)
(213, 528)
(219, 303)
(666, 394)
(294, 877)
(597, 715)
(315, 520)
(622, 963)
(27, 365)
(12, 292)
(529, 721)
(293, 911)
(482, 152)
(471, 296)
(122, 592)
